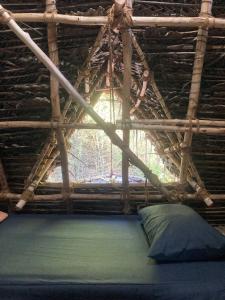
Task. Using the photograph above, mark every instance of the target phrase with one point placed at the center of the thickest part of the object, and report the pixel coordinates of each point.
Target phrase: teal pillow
(177, 233)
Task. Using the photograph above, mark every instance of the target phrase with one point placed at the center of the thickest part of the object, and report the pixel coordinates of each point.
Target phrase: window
(92, 157)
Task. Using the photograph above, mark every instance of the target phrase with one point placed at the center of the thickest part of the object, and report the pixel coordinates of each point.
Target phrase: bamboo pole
(132, 125)
(3, 180)
(171, 128)
(126, 90)
(47, 185)
(142, 123)
(206, 10)
(200, 189)
(202, 192)
(55, 101)
(78, 98)
(180, 122)
(186, 22)
(76, 196)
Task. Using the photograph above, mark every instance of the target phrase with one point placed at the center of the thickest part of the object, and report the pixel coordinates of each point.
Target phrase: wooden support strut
(152, 125)
(201, 43)
(127, 59)
(55, 197)
(3, 180)
(185, 22)
(126, 90)
(78, 98)
(55, 101)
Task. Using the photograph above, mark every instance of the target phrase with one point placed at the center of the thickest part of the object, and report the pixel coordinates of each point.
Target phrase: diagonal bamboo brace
(26, 39)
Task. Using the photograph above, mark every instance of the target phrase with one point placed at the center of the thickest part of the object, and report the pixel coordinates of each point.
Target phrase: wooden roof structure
(164, 60)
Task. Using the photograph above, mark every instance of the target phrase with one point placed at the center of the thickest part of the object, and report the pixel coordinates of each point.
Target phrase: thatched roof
(169, 52)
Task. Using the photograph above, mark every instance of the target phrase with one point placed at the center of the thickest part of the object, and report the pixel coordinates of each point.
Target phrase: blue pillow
(177, 233)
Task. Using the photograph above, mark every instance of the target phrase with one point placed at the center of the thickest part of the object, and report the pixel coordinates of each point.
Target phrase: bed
(94, 257)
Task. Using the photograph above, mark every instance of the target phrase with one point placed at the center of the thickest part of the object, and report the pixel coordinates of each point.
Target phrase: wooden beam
(48, 185)
(116, 196)
(126, 90)
(181, 122)
(206, 10)
(185, 22)
(159, 125)
(55, 100)
(3, 180)
(25, 38)
(170, 128)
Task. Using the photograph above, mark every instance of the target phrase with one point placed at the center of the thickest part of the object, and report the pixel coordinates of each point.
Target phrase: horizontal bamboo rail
(197, 127)
(210, 22)
(76, 196)
(142, 122)
(179, 122)
(169, 128)
(3, 179)
(47, 185)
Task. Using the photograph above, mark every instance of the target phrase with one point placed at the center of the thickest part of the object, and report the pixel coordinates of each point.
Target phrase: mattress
(94, 257)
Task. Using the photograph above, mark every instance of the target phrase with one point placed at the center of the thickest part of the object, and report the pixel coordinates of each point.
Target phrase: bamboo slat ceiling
(24, 82)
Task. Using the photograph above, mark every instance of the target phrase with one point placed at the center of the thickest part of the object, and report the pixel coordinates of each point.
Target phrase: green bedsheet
(61, 253)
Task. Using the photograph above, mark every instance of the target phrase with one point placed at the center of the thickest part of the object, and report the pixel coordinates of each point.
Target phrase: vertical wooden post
(3, 181)
(55, 101)
(206, 9)
(4, 187)
(127, 81)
